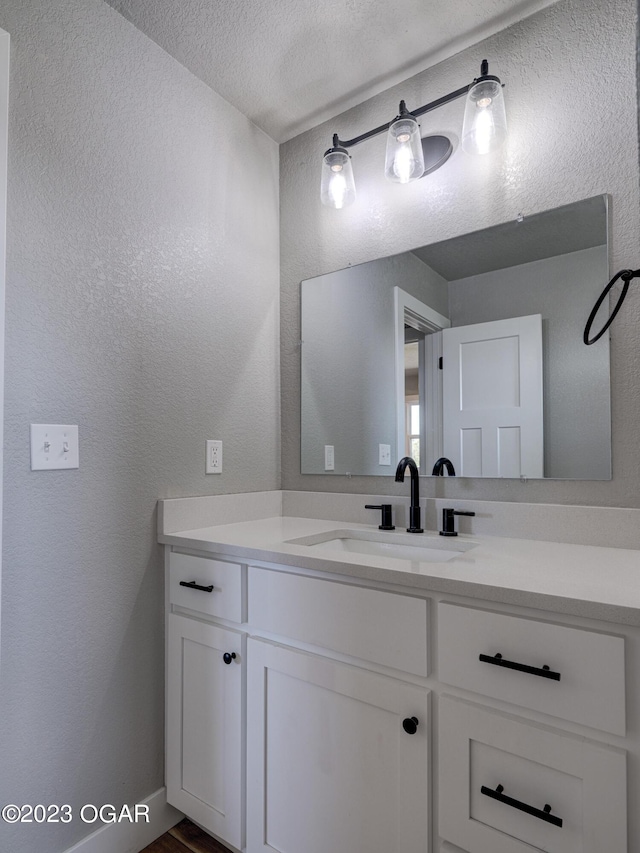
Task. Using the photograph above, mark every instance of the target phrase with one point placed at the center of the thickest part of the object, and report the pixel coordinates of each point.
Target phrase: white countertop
(582, 580)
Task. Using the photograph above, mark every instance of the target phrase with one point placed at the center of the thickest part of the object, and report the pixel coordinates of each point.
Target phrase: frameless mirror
(469, 349)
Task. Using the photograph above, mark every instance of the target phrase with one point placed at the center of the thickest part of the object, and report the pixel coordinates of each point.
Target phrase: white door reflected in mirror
(492, 398)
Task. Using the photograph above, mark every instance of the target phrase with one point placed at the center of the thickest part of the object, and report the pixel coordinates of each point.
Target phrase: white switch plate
(329, 457)
(213, 463)
(384, 454)
(54, 446)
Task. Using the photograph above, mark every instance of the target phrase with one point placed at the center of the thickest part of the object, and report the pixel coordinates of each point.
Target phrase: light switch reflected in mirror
(518, 395)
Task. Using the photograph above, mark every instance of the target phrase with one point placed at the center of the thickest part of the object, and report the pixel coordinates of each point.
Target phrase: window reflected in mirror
(414, 401)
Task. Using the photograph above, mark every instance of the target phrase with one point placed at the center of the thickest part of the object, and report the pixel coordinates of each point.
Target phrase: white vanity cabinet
(382, 718)
(204, 708)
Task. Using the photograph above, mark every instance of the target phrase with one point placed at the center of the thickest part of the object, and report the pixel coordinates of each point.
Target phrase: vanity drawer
(380, 627)
(591, 686)
(224, 601)
(528, 769)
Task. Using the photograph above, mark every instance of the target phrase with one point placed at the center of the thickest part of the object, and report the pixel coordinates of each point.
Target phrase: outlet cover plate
(213, 462)
(384, 454)
(329, 457)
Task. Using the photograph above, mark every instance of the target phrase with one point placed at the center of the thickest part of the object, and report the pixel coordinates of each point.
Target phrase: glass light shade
(337, 188)
(485, 122)
(404, 161)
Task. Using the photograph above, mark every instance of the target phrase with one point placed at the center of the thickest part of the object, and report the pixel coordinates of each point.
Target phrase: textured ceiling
(291, 64)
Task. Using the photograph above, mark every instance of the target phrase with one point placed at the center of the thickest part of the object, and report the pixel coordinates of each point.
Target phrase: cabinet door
(204, 726)
(330, 766)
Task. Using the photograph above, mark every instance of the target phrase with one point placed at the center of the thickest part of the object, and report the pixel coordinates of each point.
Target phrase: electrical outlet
(384, 454)
(213, 464)
(329, 457)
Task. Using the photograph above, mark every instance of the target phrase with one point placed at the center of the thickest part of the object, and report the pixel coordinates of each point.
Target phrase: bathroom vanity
(331, 696)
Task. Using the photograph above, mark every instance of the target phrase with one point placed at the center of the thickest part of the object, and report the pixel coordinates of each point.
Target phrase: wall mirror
(470, 348)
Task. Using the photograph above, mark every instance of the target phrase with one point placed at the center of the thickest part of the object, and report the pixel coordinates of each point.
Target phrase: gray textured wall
(142, 304)
(557, 65)
(576, 411)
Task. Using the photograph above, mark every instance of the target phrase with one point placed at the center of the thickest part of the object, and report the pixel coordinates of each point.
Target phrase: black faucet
(414, 510)
(443, 462)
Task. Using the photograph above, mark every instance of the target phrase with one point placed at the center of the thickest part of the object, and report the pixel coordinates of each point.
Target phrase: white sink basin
(399, 546)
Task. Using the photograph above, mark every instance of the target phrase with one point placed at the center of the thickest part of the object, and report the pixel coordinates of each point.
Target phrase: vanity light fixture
(484, 129)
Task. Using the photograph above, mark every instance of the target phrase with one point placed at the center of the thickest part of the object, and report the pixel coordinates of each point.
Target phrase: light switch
(54, 446)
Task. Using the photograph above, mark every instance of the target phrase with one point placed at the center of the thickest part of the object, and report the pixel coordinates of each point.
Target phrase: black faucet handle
(448, 524)
(386, 522)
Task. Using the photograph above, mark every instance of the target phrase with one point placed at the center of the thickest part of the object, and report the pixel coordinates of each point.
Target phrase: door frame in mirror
(412, 312)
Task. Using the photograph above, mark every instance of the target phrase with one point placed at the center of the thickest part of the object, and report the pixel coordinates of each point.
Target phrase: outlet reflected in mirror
(518, 395)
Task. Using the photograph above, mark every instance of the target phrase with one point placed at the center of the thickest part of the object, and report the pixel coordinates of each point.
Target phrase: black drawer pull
(542, 671)
(194, 585)
(542, 814)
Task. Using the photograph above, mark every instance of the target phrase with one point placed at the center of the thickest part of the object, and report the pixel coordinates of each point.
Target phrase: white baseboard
(126, 837)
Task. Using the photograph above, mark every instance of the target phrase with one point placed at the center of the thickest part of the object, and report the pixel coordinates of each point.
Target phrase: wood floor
(185, 837)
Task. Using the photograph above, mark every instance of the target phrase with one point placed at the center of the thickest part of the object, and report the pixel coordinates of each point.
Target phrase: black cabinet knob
(410, 725)
(227, 657)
